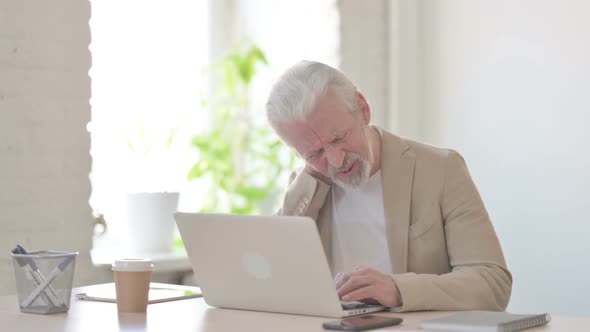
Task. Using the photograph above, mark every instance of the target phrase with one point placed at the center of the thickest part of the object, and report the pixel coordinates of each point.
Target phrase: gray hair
(297, 90)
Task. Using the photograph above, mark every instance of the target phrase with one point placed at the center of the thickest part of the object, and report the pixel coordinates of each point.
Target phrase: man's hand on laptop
(368, 285)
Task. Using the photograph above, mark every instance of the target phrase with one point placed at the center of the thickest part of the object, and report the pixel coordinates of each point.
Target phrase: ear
(364, 108)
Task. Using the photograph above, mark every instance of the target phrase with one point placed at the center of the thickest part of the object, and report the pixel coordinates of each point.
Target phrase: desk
(196, 315)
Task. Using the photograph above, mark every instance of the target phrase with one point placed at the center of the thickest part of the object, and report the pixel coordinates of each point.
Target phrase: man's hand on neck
(318, 175)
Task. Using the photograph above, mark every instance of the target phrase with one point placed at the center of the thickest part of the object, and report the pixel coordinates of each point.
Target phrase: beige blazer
(444, 251)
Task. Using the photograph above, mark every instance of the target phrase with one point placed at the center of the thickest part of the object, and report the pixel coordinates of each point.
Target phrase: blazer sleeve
(479, 278)
(305, 196)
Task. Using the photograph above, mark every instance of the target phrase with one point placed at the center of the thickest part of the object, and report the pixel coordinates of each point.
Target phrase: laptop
(263, 263)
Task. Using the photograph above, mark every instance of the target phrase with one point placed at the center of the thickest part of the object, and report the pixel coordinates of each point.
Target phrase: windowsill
(163, 262)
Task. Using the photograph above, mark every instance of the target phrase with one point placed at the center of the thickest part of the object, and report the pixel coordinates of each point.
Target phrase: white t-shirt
(358, 227)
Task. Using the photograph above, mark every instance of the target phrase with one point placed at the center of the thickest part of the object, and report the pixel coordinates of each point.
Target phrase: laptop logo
(256, 265)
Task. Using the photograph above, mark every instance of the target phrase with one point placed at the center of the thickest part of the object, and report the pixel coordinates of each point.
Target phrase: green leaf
(252, 193)
(198, 170)
(242, 210)
(257, 53)
(229, 80)
(212, 209)
(130, 146)
(178, 243)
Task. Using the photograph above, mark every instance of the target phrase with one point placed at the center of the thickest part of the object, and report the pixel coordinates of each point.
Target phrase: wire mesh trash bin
(44, 280)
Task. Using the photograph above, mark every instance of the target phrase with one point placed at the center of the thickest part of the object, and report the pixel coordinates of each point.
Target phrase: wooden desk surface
(196, 315)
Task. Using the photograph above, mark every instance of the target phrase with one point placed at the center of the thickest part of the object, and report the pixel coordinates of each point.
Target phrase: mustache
(349, 159)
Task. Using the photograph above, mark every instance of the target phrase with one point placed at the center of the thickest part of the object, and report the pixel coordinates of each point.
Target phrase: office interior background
(506, 83)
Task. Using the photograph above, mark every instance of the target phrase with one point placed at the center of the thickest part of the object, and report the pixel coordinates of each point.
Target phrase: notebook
(484, 321)
(158, 293)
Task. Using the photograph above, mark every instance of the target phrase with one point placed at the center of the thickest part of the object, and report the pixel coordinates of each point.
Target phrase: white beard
(356, 180)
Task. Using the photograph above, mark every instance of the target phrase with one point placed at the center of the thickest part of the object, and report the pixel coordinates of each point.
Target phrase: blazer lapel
(397, 169)
(325, 227)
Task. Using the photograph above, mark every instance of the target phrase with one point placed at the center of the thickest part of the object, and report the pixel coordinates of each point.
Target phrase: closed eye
(315, 154)
(340, 139)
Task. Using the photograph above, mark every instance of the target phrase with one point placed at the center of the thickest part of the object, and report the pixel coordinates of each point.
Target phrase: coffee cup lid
(133, 265)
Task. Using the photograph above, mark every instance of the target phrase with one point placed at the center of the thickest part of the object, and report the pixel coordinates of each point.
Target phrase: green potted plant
(239, 155)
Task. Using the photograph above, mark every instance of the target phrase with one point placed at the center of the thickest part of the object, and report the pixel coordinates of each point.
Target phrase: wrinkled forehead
(329, 119)
(305, 136)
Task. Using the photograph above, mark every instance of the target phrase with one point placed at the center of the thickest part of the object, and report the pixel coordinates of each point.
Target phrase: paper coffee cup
(132, 283)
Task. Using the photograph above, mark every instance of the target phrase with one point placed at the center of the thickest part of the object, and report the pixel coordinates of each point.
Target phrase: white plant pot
(150, 222)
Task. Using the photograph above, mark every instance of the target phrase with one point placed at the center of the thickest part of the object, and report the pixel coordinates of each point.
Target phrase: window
(148, 75)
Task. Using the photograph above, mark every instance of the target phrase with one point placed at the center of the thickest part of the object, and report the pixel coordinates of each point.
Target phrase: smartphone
(362, 323)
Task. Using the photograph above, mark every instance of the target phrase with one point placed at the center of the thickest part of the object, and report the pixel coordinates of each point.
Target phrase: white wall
(44, 144)
(507, 83)
(364, 51)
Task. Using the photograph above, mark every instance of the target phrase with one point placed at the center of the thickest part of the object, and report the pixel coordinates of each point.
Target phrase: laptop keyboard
(356, 305)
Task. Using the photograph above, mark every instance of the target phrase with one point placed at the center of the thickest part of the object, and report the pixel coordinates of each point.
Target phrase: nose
(335, 156)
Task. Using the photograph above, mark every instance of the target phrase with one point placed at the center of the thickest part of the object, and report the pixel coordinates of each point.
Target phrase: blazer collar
(397, 170)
